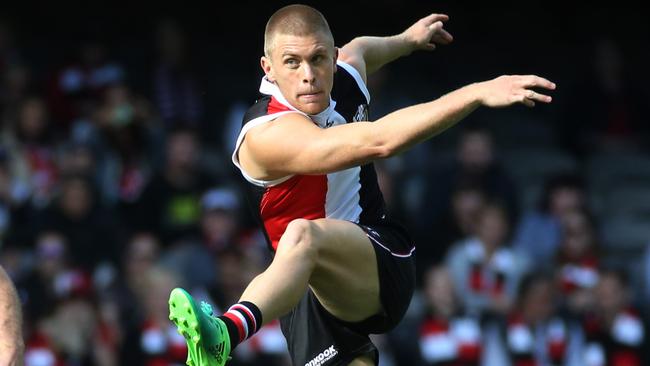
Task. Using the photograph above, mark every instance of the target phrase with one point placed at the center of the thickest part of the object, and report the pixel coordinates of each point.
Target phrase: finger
(536, 81)
(442, 37)
(429, 47)
(432, 18)
(543, 98)
(535, 96)
(527, 102)
(435, 27)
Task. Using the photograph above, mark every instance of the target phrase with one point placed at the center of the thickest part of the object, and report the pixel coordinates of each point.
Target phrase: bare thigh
(345, 280)
(362, 361)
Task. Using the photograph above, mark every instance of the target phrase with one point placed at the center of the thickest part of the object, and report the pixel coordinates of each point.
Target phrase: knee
(300, 238)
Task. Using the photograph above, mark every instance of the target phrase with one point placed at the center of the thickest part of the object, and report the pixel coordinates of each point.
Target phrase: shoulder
(287, 123)
(353, 60)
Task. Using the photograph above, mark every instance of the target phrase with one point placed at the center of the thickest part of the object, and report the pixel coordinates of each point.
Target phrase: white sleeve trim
(235, 158)
(357, 76)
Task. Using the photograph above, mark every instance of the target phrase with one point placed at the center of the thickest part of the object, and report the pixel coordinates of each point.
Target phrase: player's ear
(266, 66)
(336, 57)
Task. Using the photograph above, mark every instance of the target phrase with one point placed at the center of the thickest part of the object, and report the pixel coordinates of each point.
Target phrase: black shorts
(316, 337)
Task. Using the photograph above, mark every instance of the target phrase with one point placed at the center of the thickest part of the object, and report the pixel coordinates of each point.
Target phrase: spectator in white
(53, 278)
(61, 317)
(78, 87)
(535, 333)
(484, 269)
(577, 261)
(538, 233)
(447, 336)
(159, 343)
(615, 333)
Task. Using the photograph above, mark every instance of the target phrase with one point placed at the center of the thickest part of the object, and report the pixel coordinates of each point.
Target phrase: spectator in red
(484, 269)
(577, 261)
(535, 334)
(76, 89)
(447, 335)
(615, 334)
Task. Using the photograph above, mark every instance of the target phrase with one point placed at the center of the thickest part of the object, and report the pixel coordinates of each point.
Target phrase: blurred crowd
(531, 234)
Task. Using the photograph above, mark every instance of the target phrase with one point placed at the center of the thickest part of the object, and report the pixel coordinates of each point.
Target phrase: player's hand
(510, 89)
(428, 32)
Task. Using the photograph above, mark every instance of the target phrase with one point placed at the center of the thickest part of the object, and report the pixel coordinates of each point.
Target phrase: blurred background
(117, 122)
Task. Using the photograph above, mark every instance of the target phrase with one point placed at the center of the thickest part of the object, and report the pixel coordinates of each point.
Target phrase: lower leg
(280, 287)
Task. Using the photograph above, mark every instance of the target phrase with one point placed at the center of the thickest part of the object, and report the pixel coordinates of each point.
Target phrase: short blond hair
(295, 20)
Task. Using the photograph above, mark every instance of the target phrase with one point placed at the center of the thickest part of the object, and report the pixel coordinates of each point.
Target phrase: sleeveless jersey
(352, 194)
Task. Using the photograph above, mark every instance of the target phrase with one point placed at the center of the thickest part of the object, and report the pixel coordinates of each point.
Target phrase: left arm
(368, 54)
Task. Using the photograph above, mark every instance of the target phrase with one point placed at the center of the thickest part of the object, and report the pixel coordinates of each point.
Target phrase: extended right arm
(294, 145)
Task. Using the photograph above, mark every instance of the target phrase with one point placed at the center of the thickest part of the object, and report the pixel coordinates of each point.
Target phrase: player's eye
(291, 62)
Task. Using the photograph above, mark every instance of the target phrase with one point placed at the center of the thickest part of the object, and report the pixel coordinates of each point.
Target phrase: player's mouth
(310, 97)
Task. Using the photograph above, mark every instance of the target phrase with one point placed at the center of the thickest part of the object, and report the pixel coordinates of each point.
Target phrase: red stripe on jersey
(275, 107)
(301, 197)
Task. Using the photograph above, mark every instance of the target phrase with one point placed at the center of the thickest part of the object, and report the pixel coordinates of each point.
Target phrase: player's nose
(308, 75)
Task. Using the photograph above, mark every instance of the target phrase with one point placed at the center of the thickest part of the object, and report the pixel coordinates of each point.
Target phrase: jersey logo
(323, 357)
(362, 113)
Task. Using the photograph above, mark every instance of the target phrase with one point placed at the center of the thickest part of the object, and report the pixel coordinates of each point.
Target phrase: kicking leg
(335, 258)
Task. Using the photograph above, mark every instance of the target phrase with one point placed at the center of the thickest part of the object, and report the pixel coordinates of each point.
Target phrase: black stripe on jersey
(254, 196)
(259, 109)
(254, 193)
(347, 94)
(371, 200)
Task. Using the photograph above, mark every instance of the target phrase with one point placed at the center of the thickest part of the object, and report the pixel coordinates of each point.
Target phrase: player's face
(303, 68)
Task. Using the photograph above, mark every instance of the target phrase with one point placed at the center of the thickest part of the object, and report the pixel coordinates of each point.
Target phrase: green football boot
(208, 342)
